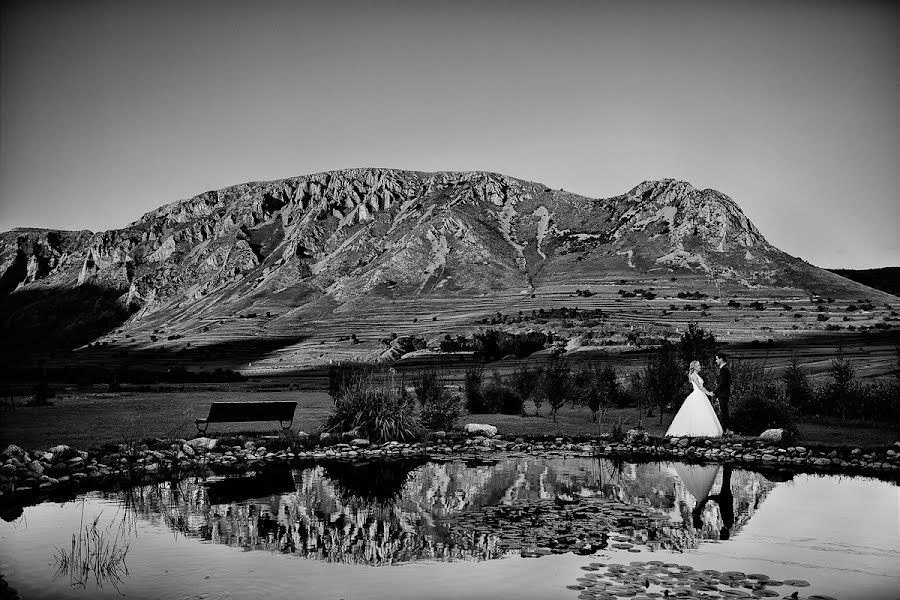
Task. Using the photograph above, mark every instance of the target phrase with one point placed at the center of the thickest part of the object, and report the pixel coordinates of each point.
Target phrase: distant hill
(886, 279)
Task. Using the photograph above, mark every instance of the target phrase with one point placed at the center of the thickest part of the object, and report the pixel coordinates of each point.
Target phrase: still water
(517, 527)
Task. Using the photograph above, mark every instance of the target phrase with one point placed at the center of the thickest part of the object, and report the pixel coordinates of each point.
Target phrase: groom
(722, 392)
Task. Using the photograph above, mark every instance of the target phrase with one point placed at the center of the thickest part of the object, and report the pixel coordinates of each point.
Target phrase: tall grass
(375, 411)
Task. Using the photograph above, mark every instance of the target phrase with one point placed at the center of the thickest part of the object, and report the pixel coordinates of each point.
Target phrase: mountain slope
(315, 247)
(886, 279)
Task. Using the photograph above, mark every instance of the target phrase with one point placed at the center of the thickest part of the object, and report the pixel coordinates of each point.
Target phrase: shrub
(498, 398)
(441, 413)
(840, 393)
(41, 393)
(429, 386)
(524, 382)
(378, 413)
(495, 344)
(342, 376)
(608, 386)
(757, 403)
(439, 408)
(878, 401)
(472, 388)
(797, 390)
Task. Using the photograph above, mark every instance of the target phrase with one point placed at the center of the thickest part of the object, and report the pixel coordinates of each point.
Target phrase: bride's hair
(694, 367)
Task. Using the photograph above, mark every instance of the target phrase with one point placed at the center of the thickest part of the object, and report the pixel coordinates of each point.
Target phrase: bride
(696, 416)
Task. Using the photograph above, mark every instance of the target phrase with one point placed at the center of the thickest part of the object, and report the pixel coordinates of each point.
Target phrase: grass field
(86, 419)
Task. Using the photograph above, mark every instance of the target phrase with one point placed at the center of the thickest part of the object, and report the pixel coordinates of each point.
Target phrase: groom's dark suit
(722, 393)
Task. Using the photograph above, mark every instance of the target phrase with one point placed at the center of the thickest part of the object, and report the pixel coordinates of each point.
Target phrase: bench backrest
(251, 411)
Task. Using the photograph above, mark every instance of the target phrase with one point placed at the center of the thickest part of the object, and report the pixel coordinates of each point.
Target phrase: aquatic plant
(95, 553)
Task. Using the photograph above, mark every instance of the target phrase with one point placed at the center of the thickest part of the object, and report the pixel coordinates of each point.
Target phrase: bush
(41, 393)
(472, 388)
(496, 344)
(378, 413)
(757, 403)
(839, 396)
(498, 398)
(348, 375)
(524, 382)
(608, 386)
(797, 390)
(439, 407)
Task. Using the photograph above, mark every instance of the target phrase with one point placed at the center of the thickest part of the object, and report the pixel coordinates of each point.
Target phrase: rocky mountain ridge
(328, 243)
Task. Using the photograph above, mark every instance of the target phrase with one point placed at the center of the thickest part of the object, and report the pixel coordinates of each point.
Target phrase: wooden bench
(241, 412)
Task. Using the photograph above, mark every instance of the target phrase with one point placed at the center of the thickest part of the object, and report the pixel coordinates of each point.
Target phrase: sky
(111, 109)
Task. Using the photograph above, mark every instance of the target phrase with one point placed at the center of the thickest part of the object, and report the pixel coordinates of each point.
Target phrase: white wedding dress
(696, 417)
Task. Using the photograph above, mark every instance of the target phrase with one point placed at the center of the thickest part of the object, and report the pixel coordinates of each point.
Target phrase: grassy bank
(86, 420)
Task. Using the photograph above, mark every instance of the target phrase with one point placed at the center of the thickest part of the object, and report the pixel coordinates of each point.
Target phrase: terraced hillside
(273, 276)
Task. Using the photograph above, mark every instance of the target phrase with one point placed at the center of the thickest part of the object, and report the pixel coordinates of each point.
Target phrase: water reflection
(390, 512)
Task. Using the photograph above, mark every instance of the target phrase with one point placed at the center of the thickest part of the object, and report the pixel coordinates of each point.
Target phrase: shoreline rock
(31, 477)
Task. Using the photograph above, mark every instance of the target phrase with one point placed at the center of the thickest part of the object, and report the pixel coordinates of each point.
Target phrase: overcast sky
(111, 109)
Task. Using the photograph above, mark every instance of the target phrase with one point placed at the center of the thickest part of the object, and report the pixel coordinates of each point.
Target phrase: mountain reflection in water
(400, 511)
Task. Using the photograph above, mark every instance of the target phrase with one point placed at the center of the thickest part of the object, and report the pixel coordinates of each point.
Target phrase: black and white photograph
(577, 300)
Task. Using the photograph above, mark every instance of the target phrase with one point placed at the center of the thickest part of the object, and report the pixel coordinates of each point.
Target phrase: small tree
(472, 388)
(756, 404)
(842, 388)
(439, 409)
(499, 398)
(584, 390)
(555, 383)
(663, 378)
(524, 382)
(697, 344)
(608, 386)
(797, 390)
(635, 389)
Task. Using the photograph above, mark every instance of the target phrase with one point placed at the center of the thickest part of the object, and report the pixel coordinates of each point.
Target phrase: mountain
(310, 259)
(886, 279)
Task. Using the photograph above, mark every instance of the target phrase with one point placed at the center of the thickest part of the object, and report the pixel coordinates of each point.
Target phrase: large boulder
(637, 436)
(772, 435)
(480, 429)
(13, 451)
(399, 346)
(202, 443)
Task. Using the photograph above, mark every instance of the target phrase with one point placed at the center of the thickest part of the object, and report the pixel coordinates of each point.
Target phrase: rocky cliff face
(333, 241)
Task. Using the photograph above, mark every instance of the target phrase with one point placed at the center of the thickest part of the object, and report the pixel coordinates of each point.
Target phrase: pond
(514, 527)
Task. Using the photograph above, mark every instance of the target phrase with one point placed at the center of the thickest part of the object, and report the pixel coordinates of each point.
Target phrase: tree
(663, 378)
(797, 390)
(524, 382)
(608, 386)
(842, 389)
(555, 383)
(472, 388)
(697, 344)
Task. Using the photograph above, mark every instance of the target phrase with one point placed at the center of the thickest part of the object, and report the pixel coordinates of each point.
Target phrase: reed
(96, 553)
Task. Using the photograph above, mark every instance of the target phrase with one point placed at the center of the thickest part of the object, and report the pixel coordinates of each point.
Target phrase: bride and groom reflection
(698, 481)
